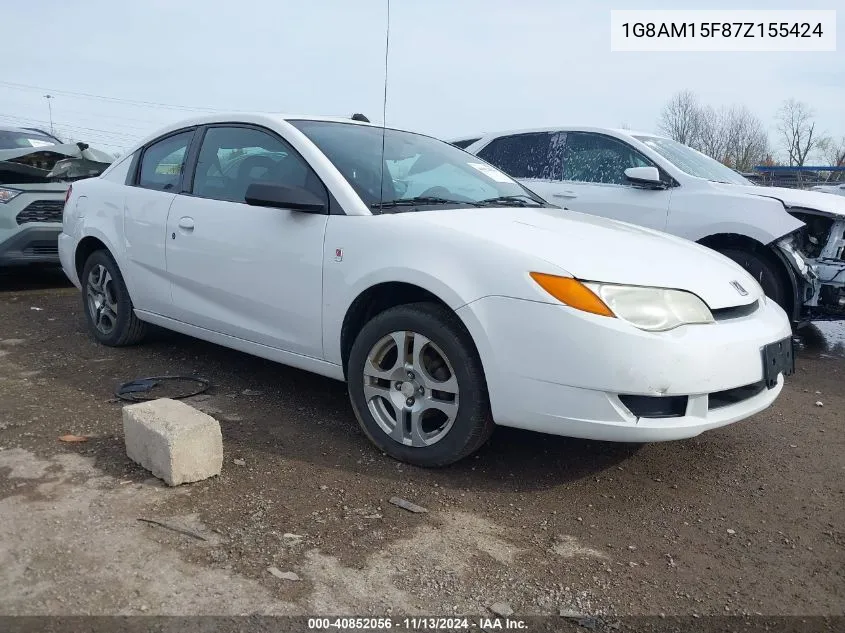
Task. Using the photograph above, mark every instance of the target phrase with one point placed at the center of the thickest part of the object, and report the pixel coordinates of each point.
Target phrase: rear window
(24, 139)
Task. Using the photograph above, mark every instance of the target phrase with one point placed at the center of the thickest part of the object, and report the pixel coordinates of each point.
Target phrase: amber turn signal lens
(572, 292)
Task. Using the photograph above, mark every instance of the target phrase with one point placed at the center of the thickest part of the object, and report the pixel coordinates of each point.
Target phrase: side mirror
(646, 177)
(260, 194)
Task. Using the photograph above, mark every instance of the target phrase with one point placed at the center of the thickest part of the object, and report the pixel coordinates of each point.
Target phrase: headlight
(652, 309)
(7, 194)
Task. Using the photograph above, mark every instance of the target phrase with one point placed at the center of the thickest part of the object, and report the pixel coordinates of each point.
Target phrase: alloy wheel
(102, 301)
(410, 389)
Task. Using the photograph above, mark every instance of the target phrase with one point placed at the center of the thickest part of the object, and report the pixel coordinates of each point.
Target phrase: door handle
(186, 223)
(565, 194)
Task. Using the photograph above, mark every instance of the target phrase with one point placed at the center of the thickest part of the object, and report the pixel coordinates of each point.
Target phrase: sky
(455, 67)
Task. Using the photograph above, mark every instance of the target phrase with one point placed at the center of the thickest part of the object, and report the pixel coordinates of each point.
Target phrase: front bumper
(30, 224)
(557, 370)
(32, 244)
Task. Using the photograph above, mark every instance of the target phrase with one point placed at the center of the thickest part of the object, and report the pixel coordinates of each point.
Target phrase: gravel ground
(743, 520)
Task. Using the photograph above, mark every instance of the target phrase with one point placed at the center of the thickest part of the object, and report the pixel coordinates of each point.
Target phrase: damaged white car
(35, 169)
(791, 241)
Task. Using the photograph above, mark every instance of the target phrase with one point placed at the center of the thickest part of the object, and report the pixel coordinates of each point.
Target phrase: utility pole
(50, 107)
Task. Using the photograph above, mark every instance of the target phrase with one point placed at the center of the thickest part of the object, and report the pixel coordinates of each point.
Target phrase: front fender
(696, 215)
(362, 252)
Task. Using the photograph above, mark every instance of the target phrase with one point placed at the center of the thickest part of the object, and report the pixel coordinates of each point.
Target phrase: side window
(162, 162)
(534, 155)
(233, 158)
(591, 157)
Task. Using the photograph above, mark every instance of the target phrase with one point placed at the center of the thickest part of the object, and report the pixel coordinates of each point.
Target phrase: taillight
(67, 195)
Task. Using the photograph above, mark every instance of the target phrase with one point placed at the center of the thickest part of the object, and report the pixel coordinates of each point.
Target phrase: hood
(51, 163)
(592, 248)
(834, 189)
(793, 198)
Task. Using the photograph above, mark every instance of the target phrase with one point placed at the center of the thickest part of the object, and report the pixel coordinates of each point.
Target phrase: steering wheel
(437, 191)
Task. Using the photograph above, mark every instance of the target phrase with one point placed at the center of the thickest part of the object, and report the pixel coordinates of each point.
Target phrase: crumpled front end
(33, 185)
(816, 252)
(51, 163)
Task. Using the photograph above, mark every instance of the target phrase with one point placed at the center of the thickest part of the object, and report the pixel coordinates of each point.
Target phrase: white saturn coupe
(447, 310)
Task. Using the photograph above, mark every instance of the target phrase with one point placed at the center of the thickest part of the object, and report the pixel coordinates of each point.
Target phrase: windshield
(692, 162)
(22, 139)
(417, 171)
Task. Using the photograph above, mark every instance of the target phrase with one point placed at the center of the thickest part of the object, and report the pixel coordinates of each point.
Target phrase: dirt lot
(747, 519)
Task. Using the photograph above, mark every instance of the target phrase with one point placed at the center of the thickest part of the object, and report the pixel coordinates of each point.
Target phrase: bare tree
(745, 138)
(833, 152)
(798, 131)
(734, 136)
(710, 138)
(679, 119)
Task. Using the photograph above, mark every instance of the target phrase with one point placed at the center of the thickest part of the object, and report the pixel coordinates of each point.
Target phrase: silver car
(35, 170)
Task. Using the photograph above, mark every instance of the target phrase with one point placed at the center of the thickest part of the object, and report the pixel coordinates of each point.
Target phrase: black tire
(473, 423)
(127, 329)
(765, 271)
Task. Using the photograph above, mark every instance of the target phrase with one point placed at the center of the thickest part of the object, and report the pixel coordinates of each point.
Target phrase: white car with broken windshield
(791, 241)
(447, 295)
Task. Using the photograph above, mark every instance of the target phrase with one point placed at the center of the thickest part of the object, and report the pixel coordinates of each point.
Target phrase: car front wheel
(417, 386)
(108, 308)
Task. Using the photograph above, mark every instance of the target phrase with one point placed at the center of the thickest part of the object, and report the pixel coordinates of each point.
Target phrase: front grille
(42, 247)
(42, 211)
(723, 314)
(726, 398)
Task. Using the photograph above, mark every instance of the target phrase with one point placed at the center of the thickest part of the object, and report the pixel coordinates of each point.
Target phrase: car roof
(259, 118)
(575, 128)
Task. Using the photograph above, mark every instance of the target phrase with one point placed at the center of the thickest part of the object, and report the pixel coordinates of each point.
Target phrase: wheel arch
(87, 245)
(719, 241)
(376, 299)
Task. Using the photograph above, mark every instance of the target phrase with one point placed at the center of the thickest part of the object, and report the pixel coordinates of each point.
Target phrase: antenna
(384, 105)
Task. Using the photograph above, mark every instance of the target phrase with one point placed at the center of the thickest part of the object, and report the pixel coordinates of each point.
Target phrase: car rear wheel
(417, 386)
(108, 308)
(765, 272)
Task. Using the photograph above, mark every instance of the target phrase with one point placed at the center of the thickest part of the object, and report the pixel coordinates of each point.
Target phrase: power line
(71, 125)
(86, 95)
(147, 123)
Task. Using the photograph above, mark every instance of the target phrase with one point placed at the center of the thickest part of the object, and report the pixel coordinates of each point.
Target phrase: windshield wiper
(519, 200)
(419, 200)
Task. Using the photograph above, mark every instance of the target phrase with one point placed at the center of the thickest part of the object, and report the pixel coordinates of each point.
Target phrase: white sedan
(447, 310)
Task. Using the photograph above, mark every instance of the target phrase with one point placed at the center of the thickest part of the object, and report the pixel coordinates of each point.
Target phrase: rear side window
(163, 162)
(533, 155)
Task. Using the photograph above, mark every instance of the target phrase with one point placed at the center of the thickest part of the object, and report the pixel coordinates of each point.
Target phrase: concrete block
(172, 440)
